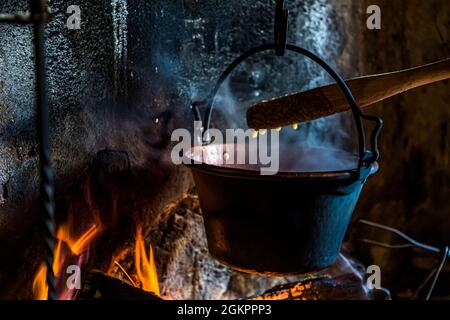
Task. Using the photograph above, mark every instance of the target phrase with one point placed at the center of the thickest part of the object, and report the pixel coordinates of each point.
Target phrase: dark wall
(411, 190)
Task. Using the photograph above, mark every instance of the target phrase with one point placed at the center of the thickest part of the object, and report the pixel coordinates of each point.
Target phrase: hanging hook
(281, 26)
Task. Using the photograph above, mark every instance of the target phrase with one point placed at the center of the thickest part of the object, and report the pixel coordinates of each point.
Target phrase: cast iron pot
(294, 221)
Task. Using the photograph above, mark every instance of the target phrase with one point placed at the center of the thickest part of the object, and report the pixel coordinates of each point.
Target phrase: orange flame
(76, 246)
(40, 288)
(145, 265)
(56, 258)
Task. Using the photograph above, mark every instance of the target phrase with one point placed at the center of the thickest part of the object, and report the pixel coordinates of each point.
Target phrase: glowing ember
(145, 265)
(298, 291)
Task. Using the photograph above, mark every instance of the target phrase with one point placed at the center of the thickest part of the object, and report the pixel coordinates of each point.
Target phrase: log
(99, 286)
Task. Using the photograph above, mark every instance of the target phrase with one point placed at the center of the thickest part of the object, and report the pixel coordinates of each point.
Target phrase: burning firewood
(99, 286)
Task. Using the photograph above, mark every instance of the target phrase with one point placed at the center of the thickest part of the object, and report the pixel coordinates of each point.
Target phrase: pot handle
(366, 156)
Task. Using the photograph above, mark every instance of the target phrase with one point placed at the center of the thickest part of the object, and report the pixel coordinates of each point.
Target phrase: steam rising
(121, 129)
(266, 76)
(205, 47)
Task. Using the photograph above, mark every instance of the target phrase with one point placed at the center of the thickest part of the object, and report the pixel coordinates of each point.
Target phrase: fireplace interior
(128, 223)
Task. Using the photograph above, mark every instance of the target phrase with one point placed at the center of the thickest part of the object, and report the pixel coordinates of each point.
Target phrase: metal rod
(39, 9)
(402, 235)
(438, 272)
(281, 26)
(387, 245)
(411, 243)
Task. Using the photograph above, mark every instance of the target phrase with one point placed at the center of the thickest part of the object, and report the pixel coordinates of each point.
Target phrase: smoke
(318, 33)
(142, 136)
(266, 76)
(113, 125)
(228, 110)
(188, 53)
(137, 121)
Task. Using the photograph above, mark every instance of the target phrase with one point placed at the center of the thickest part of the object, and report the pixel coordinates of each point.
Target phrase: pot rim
(246, 173)
(256, 175)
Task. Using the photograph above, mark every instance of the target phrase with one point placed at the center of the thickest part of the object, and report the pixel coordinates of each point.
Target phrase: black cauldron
(295, 220)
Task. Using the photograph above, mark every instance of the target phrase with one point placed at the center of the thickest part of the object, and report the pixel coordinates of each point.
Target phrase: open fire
(73, 249)
(145, 265)
(145, 275)
(133, 266)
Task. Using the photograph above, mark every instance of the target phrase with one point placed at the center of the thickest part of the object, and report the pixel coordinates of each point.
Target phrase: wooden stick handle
(327, 100)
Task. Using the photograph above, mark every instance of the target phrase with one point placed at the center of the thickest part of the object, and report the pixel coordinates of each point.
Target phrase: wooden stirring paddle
(327, 100)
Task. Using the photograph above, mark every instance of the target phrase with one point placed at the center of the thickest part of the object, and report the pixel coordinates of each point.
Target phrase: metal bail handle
(281, 27)
(366, 157)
